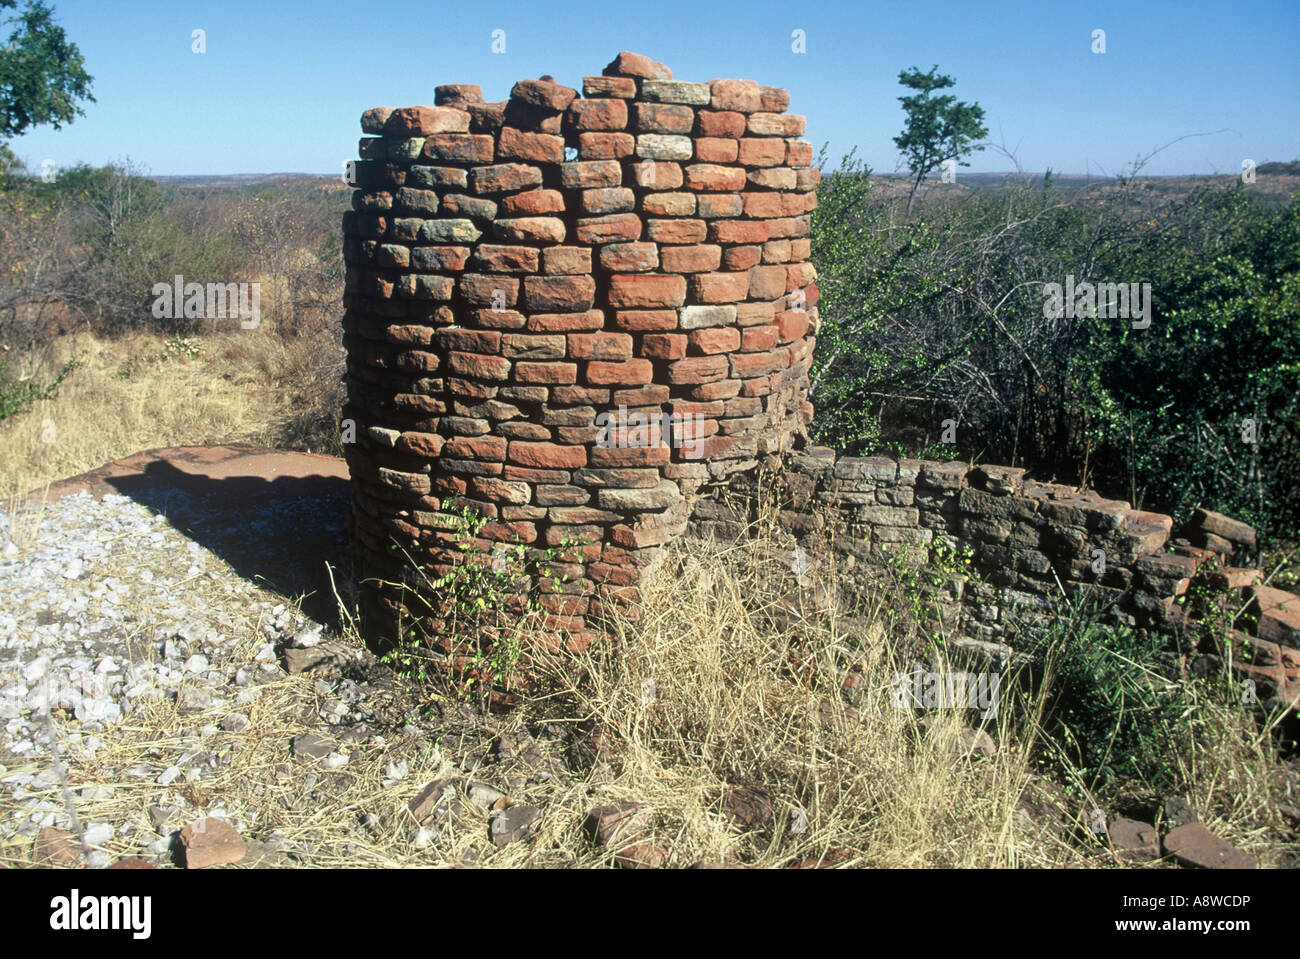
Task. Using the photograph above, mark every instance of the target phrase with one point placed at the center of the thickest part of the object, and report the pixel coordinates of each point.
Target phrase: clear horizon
(281, 86)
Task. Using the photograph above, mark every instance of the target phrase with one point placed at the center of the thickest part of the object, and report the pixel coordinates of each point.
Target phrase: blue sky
(282, 84)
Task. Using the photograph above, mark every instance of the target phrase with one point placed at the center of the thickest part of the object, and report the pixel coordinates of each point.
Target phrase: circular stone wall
(567, 313)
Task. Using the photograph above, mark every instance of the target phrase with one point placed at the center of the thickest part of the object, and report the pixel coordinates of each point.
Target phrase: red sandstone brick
(509, 532)
(498, 319)
(589, 174)
(711, 205)
(617, 575)
(697, 369)
(713, 123)
(543, 94)
(765, 204)
(718, 339)
(630, 373)
(741, 257)
(792, 325)
(423, 121)
(677, 231)
(761, 152)
(738, 95)
(605, 146)
(746, 365)
(766, 282)
(451, 94)
(629, 257)
(469, 341)
(564, 605)
(758, 338)
(476, 448)
(716, 150)
(531, 229)
(566, 322)
(515, 144)
(532, 203)
(798, 153)
(524, 474)
(506, 259)
(566, 260)
(440, 258)
(417, 361)
(546, 372)
(579, 396)
(610, 199)
(617, 228)
(549, 456)
(482, 367)
(662, 118)
(774, 99)
(486, 117)
(793, 204)
(459, 147)
(521, 346)
(614, 456)
(664, 346)
(799, 275)
(504, 178)
(721, 390)
(655, 394)
(479, 289)
(597, 115)
(635, 65)
(409, 335)
(421, 444)
(668, 204)
(641, 320)
(739, 231)
(624, 87)
(600, 346)
(719, 287)
(711, 176)
(559, 294)
(691, 259)
(646, 290)
(658, 174)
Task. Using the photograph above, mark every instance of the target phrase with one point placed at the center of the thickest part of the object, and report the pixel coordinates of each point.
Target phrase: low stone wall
(1033, 545)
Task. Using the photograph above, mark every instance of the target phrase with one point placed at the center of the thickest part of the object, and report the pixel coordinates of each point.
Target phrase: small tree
(939, 128)
(42, 75)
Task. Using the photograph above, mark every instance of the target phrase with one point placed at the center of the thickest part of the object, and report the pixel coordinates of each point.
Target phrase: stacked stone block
(520, 272)
(1033, 544)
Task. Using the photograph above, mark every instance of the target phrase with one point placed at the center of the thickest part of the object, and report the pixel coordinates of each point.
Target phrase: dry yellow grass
(141, 391)
(868, 780)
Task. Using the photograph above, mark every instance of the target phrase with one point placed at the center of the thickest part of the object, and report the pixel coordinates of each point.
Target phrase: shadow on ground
(276, 517)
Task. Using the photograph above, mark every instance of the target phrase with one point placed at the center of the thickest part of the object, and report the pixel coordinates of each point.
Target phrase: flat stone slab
(1194, 845)
(232, 472)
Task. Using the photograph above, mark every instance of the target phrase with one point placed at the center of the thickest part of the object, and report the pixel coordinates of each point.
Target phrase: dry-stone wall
(570, 345)
(1034, 546)
(583, 316)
